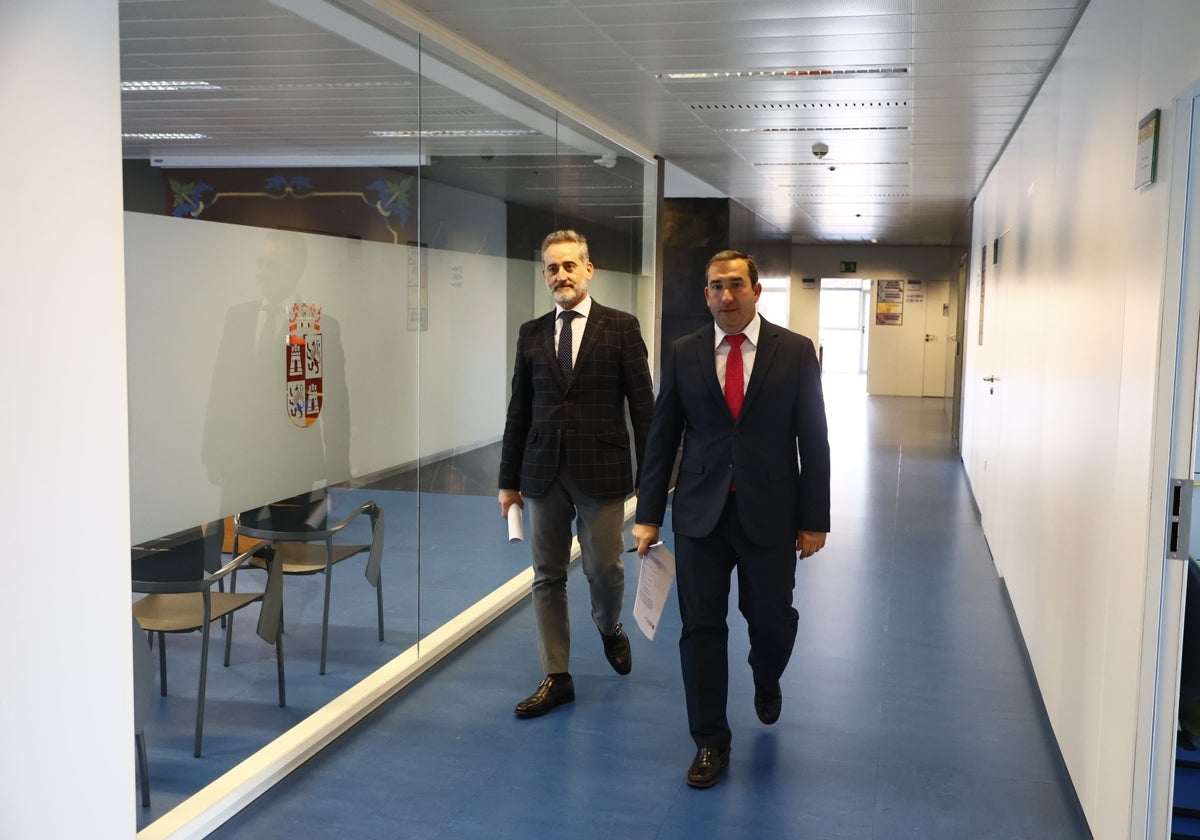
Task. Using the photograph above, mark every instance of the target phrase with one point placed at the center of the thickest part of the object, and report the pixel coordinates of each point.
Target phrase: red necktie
(735, 388)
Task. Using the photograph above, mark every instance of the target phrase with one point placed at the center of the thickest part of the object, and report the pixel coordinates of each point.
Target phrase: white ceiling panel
(914, 98)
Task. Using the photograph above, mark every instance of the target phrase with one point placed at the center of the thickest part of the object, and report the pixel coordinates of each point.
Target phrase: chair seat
(301, 558)
(177, 612)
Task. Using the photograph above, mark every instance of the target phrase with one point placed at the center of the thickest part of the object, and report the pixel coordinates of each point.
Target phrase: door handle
(929, 337)
(990, 379)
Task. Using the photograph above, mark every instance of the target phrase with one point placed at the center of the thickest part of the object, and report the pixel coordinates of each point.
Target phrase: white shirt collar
(751, 331)
(584, 308)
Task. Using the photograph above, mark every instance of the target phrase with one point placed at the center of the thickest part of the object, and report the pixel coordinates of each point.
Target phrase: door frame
(1173, 456)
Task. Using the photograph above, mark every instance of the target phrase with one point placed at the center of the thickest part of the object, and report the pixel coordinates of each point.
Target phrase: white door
(983, 380)
(937, 323)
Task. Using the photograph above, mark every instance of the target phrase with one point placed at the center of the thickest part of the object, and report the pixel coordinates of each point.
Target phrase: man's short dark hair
(725, 256)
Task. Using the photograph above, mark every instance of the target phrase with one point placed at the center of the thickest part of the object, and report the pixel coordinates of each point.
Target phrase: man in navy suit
(752, 493)
(566, 454)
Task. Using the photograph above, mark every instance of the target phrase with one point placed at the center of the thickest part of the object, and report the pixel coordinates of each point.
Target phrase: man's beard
(566, 294)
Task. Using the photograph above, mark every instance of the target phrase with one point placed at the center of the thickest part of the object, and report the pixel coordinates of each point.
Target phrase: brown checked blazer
(585, 422)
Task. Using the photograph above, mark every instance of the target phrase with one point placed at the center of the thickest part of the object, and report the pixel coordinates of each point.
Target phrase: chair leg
(162, 664)
(139, 741)
(325, 618)
(228, 638)
(200, 697)
(227, 621)
(279, 668)
(379, 603)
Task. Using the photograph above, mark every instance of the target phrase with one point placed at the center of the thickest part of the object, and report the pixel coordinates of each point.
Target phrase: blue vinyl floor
(909, 708)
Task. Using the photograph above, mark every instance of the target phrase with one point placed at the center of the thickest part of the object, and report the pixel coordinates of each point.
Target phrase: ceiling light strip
(134, 87)
(464, 132)
(811, 128)
(793, 106)
(814, 72)
(839, 163)
(165, 135)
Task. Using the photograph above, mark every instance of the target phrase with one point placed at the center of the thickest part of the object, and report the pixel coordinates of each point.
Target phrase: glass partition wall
(332, 237)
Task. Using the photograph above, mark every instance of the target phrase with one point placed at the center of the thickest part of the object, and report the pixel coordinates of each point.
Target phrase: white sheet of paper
(654, 584)
(516, 527)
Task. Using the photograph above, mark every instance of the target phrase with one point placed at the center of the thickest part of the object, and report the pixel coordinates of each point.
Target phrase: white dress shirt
(749, 347)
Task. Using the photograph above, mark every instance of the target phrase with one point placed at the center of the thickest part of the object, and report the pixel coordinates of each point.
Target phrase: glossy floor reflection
(909, 710)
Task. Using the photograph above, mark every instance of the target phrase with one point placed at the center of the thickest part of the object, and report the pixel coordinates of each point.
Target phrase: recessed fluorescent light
(388, 83)
(478, 132)
(535, 167)
(840, 197)
(814, 72)
(832, 105)
(827, 164)
(588, 188)
(816, 129)
(277, 161)
(164, 135)
(177, 85)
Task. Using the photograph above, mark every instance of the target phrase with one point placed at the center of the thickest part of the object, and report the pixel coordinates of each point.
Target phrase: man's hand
(507, 499)
(809, 543)
(645, 536)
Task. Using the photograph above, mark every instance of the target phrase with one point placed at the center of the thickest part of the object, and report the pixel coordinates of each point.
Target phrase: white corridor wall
(1060, 452)
(66, 712)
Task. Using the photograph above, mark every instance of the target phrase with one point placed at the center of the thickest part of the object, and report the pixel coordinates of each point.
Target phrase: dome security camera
(819, 150)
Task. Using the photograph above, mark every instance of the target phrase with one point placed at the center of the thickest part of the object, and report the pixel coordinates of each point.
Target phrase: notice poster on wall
(915, 292)
(889, 303)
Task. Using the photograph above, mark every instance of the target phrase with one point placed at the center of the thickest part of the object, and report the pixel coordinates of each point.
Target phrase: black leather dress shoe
(768, 704)
(707, 766)
(617, 652)
(552, 693)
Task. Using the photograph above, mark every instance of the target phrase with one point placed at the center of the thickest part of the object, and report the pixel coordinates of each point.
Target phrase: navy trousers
(766, 578)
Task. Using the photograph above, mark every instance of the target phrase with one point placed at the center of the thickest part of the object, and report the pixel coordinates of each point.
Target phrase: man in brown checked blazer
(566, 454)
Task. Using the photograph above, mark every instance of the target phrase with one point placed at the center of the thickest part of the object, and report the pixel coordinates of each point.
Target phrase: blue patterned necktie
(565, 361)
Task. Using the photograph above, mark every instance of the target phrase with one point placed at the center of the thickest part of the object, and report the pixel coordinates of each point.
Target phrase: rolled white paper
(516, 529)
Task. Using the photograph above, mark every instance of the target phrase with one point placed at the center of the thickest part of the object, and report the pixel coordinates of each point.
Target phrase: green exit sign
(848, 267)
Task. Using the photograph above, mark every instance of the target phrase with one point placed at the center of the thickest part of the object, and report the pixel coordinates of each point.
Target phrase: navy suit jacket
(777, 452)
(585, 421)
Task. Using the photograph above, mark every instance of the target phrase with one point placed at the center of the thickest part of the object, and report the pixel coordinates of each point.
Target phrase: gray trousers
(601, 524)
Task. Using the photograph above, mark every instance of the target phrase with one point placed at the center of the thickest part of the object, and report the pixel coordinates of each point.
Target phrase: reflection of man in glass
(254, 449)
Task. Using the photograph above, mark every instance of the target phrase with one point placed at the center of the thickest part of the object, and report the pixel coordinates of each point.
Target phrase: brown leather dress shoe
(707, 766)
(768, 704)
(552, 693)
(617, 652)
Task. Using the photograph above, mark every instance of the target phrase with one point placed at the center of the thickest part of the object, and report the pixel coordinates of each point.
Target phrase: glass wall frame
(390, 198)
